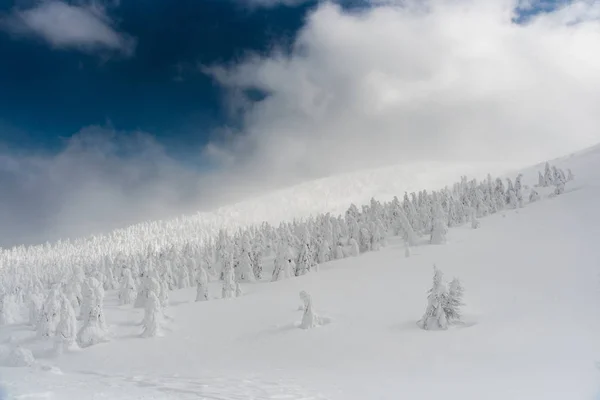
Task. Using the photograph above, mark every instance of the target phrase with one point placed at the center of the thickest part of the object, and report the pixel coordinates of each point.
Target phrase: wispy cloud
(87, 28)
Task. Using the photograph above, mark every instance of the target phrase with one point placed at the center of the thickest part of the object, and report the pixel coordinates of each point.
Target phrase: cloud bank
(87, 28)
(447, 81)
(405, 81)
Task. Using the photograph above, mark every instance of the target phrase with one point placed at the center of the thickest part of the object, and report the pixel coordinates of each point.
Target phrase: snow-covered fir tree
(474, 221)
(128, 289)
(534, 196)
(309, 318)
(245, 269)
(439, 229)
(153, 317)
(306, 258)
(228, 283)
(353, 249)
(435, 317)
(284, 263)
(202, 285)
(50, 314)
(92, 332)
(163, 293)
(66, 330)
(454, 301)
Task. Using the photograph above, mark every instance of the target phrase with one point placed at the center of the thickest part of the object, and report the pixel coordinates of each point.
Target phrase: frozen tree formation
(443, 303)
(49, 314)
(439, 229)
(284, 263)
(92, 332)
(9, 311)
(163, 293)
(309, 319)
(474, 221)
(245, 267)
(152, 317)
(435, 317)
(183, 279)
(202, 285)
(307, 258)
(229, 284)
(534, 196)
(128, 289)
(36, 303)
(353, 248)
(66, 331)
(454, 301)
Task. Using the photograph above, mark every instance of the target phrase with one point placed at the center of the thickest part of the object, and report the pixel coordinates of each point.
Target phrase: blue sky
(114, 112)
(49, 93)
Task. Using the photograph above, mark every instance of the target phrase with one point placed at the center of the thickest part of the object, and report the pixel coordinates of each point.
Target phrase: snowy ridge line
(466, 201)
(299, 201)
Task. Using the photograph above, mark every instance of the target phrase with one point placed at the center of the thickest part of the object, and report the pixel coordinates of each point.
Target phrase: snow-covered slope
(531, 323)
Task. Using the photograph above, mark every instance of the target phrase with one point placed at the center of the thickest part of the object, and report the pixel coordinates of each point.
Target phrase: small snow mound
(20, 357)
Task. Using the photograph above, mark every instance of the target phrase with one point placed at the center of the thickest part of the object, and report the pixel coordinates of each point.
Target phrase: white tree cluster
(443, 303)
(144, 262)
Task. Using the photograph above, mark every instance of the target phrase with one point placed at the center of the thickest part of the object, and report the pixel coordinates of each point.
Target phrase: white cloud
(64, 26)
(444, 80)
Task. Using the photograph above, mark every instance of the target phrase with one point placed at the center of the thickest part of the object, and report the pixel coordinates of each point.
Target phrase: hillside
(529, 331)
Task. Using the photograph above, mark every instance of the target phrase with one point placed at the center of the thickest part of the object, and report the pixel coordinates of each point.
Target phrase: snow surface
(530, 330)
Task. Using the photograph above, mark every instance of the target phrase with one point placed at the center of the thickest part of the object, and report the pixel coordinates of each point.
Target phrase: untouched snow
(530, 330)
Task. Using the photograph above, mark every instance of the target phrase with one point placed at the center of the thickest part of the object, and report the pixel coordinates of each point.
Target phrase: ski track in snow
(122, 387)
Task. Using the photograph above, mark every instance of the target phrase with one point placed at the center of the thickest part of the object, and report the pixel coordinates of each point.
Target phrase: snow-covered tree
(202, 285)
(228, 283)
(534, 196)
(50, 314)
(284, 263)
(474, 221)
(439, 229)
(435, 317)
(128, 289)
(9, 311)
(66, 331)
(353, 249)
(548, 176)
(309, 319)
(36, 304)
(454, 301)
(163, 293)
(183, 278)
(323, 251)
(245, 269)
(513, 201)
(153, 316)
(306, 261)
(92, 332)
